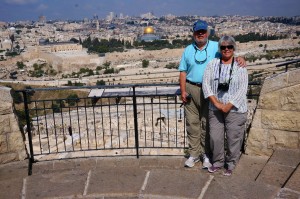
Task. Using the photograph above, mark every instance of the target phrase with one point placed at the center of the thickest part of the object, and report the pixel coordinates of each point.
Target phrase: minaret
(97, 25)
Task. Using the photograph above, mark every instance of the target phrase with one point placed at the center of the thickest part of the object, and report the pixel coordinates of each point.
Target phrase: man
(192, 65)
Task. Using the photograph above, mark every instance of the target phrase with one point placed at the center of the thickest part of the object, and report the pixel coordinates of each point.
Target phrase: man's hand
(184, 97)
(241, 61)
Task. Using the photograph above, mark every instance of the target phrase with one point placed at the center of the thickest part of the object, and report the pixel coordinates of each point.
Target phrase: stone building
(64, 57)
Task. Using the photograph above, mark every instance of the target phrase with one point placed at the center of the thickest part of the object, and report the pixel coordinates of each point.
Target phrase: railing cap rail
(287, 63)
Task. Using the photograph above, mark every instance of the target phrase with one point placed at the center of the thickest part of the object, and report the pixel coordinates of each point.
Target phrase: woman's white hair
(229, 40)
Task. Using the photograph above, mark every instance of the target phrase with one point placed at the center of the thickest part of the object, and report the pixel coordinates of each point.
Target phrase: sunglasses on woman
(229, 47)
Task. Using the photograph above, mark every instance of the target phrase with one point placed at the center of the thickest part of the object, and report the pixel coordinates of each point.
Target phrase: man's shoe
(206, 163)
(213, 169)
(227, 172)
(191, 161)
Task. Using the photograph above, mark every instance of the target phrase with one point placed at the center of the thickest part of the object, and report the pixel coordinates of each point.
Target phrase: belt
(195, 84)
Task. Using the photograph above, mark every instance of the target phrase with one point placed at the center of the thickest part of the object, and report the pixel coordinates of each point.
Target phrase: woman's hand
(226, 108)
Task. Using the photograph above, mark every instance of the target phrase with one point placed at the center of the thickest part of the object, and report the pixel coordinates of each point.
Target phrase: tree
(100, 82)
(72, 99)
(145, 63)
(55, 108)
(20, 65)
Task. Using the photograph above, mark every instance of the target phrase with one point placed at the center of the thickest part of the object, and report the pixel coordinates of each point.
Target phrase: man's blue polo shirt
(193, 68)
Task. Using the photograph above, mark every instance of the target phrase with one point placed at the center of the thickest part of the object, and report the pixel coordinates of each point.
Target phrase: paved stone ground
(277, 177)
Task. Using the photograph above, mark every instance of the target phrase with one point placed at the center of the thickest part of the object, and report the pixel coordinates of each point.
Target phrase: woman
(225, 85)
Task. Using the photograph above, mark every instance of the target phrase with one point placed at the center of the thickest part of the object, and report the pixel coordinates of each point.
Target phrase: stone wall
(12, 146)
(276, 123)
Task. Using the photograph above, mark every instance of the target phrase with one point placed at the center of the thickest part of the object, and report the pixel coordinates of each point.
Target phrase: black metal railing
(286, 64)
(131, 120)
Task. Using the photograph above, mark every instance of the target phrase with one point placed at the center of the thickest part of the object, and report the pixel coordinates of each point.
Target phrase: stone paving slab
(14, 170)
(119, 180)
(238, 187)
(249, 166)
(11, 179)
(150, 177)
(294, 182)
(56, 184)
(11, 188)
(275, 174)
(287, 194)
(286, 157)
(175, 183)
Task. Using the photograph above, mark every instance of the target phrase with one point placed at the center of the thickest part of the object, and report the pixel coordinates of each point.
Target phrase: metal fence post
(31, 158)
(136, 133)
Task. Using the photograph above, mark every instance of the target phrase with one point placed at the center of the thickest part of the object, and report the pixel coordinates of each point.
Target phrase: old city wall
(138, 55)
(276, 123)
(165, 54)
(12, 146)
(271, 44)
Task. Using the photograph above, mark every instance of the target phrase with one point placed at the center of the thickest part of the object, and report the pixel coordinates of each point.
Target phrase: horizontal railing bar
(287, 63)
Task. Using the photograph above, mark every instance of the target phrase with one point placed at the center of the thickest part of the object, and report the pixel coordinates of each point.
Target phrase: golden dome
(148, 30)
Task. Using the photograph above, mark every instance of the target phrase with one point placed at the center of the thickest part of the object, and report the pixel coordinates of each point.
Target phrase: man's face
(200, 36)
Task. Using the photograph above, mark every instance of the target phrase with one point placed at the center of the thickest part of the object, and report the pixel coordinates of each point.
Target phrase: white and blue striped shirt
(236, 94)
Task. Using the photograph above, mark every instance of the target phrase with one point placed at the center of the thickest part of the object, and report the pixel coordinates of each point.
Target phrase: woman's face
(226, 50)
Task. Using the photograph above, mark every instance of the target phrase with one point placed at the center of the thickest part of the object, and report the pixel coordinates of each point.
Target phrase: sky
(22, 10)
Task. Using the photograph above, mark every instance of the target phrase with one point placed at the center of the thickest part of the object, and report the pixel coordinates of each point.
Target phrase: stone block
(5, 95)
(8, 157)
(256, 123)
(274, 83)
(280, 120)
(283, 139)
(270, 100)
(3, 144)
(4, 127)
(15, 142)
(257, 142)
(5, 108)
(14, 125)
(290, 99)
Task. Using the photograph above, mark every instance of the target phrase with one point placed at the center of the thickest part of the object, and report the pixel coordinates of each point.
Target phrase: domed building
(148, 30)
(149, 35)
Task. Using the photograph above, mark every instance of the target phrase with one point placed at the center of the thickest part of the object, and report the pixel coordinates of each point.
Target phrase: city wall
(276, 122)
(12, 146)
(170, 54)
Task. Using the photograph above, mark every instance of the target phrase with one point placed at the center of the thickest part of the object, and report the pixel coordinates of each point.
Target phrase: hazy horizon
(22, 10)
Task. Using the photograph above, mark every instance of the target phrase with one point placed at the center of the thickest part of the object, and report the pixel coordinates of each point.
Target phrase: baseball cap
(200, 25)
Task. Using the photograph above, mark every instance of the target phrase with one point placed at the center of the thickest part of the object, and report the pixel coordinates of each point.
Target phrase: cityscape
(91, 107)
(64, 49)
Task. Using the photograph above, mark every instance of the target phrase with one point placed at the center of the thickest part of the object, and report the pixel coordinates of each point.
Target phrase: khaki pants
(234, 125)
(196, 111)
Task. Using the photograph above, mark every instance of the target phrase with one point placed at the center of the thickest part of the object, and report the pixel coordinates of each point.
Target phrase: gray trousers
(234, 125)
(196, 113)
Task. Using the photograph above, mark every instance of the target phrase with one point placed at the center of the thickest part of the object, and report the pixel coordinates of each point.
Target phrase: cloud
(20, 2)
